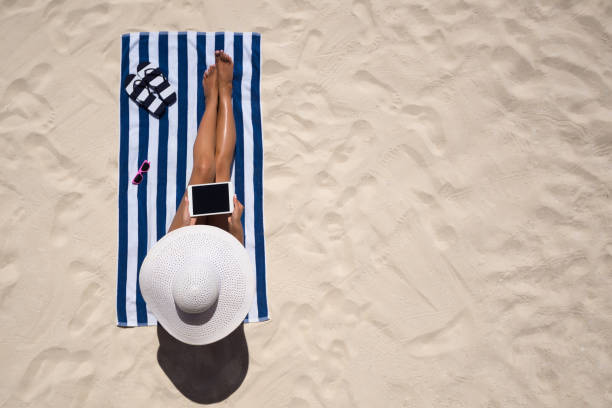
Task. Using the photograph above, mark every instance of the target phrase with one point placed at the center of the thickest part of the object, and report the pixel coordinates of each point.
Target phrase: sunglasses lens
(145, 167)
(138, 178)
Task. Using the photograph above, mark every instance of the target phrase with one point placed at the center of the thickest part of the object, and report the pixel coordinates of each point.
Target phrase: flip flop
(140, 93)
(156, 80)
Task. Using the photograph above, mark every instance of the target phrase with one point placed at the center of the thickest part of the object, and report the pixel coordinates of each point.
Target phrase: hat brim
(208, 245)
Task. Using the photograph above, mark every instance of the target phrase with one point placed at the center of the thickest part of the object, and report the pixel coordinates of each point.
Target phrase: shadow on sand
(204, 374)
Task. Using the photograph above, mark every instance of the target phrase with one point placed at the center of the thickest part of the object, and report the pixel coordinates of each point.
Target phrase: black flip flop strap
(164, 85)
(151, 73)
(148, 101)
(137, 88)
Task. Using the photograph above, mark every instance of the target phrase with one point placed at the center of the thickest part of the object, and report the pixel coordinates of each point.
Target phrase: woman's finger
(238, 211)
(238, 207)
(187, 218)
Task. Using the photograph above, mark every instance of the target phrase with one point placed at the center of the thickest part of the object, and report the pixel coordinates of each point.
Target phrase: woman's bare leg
(203, 147)
(226, 128)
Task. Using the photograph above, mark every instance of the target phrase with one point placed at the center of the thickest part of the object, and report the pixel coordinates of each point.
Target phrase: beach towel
(146, 210)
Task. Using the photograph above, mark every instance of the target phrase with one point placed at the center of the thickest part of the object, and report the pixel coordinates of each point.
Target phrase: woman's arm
(182, 218)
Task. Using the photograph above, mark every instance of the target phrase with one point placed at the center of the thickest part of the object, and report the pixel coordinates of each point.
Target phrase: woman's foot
(226, 72)
(211, 85)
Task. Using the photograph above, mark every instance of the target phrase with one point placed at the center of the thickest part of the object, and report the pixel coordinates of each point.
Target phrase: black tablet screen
(210, 198)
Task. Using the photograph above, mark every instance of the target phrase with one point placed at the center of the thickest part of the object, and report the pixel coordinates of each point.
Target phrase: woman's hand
(182, 218)
(187, 219)
(234, 223)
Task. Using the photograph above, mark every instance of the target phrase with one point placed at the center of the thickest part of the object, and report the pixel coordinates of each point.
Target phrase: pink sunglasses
(144, 167)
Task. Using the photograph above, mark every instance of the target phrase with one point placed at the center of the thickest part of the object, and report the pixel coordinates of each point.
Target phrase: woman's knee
(204, 171)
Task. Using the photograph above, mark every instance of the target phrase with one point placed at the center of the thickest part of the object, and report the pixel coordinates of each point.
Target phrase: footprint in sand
(12, 7)
(70, 26)
(41, 150)
(273, 67)
(9, 274)
(23, 106)
(59, 376)
(445, 236)
(88, 311)
(312, 45)
(64, 218)
(383, 95)
(360, 134)
(427, 124)
(335, 307)
(509, 63)
(362, 9)
(334, 224)
(454, 334)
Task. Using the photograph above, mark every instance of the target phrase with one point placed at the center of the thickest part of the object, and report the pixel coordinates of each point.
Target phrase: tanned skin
(213, 149)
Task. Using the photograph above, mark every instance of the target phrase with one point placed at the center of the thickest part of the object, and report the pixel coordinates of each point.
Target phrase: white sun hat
(199, 283)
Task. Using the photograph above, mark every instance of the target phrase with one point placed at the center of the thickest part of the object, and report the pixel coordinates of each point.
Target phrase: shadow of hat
(205, 374)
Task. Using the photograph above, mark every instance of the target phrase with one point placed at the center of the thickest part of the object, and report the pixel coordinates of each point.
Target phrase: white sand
(437, 201)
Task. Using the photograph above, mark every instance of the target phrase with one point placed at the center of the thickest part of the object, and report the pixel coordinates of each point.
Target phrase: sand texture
(438, 206)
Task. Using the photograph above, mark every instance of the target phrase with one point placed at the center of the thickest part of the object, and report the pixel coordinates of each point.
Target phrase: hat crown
(195, 289)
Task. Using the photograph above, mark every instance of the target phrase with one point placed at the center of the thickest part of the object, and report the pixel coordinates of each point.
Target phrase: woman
(200, 283)
(213, 149)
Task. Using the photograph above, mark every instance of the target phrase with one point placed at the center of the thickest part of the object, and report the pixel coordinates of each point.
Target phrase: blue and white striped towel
(146, 210)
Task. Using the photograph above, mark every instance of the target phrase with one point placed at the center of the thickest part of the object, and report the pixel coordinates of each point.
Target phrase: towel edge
(127, 34)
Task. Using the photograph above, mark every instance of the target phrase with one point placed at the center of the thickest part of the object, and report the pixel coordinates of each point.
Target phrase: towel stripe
(258, 179)
(202, 66)
(124, 145)
(146, 210)
(228, 47)
(162, 153)
(132, 238)
(192, 100)
(249, 225)
(237, 104)
(181, 153)
(219, 41)
(210, 49)
(143, 147)
(152, 182)
(172, 130)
